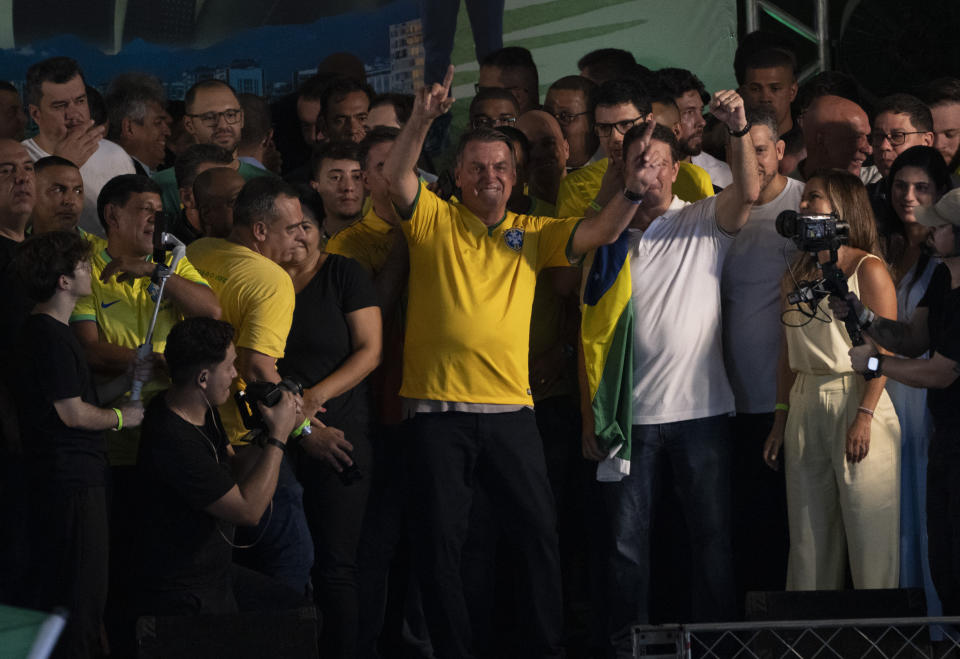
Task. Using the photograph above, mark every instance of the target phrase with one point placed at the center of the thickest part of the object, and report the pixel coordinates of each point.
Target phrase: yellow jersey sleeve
(266, 324)
(428, 209)
(186, 270)
(85, 309)
(555, 236)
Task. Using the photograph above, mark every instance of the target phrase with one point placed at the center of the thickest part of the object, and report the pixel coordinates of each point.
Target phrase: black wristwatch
(743, 131)
(633, 197)
(875, 365)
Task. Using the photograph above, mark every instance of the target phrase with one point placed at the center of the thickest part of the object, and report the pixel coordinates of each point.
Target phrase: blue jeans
(698, 453)
(284, 550)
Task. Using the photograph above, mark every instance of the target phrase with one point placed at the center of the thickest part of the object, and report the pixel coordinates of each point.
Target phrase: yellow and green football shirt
(368, 242)
(122, 312)
(470, 300)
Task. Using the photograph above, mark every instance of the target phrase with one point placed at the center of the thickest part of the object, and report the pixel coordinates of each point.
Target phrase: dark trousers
(698, 454)
(943, 519)
(439, 19)
(761, 539)
(452, 455)
(335, 514)
(282, 546)
(242, 590)
(391, 613)
(68, 560)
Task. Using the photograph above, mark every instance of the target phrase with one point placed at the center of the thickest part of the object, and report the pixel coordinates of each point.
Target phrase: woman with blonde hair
(839, 432)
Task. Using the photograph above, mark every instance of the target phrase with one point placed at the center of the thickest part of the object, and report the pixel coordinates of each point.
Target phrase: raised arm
(735, 201)
(607, 225)
(399, 167)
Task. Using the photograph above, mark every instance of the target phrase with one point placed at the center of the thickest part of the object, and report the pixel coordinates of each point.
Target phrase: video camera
(813, 234)
(268, 393)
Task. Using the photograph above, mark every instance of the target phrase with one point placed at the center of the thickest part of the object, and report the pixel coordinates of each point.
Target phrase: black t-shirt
(943, 325)
(50, 366)
(319, 340)
(15, 305)
(182, 469)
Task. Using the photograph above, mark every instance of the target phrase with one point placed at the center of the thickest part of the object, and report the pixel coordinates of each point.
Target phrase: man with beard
(213, 116)
(570, 101)
(943, 98)
(691, 95)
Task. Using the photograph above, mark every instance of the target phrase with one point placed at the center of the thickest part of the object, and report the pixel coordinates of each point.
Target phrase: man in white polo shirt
(681, 397)
(57, 100)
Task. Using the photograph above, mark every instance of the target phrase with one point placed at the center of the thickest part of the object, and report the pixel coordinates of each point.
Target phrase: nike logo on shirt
(104, 305)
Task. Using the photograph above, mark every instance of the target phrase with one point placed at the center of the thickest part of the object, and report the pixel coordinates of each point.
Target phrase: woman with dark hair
(839, 432)
(333, 345)
(918, 177)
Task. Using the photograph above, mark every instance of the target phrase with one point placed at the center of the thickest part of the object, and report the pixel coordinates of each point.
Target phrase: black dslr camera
(269, 394)
(813, 234)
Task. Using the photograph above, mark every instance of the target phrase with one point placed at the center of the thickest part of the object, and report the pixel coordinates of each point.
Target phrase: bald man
(214, 192)
(837, 136)
(549, 152)
(666, 113)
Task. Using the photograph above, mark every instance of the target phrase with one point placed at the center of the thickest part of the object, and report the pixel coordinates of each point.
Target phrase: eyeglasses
(211, 119)
(484, 121)
(567, 118)
(896, 138)
(604, 130)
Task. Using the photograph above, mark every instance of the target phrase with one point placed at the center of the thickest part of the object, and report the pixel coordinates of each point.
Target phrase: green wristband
(595, 206)
(781, 406)
(119, 418)
(299, 431)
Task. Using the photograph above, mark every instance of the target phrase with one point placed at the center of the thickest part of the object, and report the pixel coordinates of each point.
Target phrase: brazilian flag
(606, 332)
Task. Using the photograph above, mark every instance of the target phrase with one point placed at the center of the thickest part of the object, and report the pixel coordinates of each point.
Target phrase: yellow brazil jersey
(122, 312)
(470, 300)
(579, 188)
(256, 297)
(368, 242)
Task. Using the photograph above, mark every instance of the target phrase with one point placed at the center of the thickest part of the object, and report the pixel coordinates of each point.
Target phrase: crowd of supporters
(502, 393)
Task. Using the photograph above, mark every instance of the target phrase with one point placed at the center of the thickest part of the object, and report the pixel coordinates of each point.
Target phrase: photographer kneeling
(193, 492)
(934, 327)
(839, 432)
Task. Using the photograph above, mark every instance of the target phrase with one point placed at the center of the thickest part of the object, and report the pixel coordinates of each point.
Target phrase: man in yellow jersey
(619, 105)
(258, 299)
(113, 321)
(473, 269)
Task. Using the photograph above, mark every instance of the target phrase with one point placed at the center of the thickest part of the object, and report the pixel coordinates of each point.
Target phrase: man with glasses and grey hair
(213, 116)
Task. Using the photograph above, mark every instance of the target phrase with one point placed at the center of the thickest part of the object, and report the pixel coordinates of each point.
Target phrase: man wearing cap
(934, 328)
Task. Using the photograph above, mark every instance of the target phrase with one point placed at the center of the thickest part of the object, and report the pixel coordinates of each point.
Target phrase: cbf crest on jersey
(514, 239)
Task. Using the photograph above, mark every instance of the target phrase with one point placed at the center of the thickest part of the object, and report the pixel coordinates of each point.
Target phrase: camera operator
(839, 433)
(934, 327)
(64, 450)
(193, 491)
